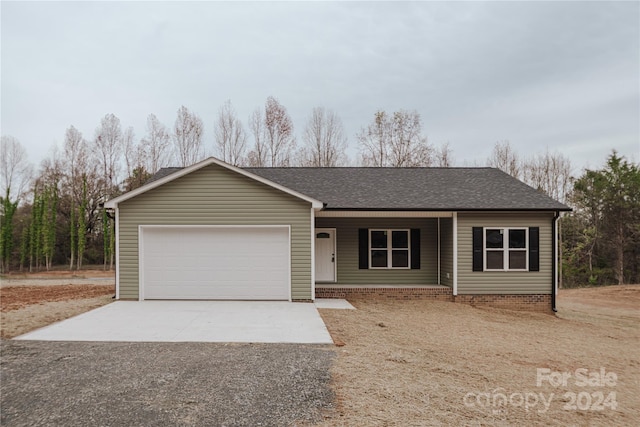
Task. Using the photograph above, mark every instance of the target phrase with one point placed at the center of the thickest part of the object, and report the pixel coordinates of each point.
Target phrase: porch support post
(439, 244)
(455, 253)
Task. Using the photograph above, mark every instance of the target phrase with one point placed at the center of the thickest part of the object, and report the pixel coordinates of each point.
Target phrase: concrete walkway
(192, 321)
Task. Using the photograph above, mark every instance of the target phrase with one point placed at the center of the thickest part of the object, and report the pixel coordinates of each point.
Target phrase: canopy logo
(598, 400)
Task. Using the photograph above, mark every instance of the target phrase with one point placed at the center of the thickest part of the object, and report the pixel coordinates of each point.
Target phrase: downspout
(554, 261)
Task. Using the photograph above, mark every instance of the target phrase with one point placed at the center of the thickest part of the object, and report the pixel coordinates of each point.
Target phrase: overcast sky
(562, 75)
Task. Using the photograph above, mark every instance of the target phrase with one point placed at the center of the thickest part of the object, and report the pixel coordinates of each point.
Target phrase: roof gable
(170, 174)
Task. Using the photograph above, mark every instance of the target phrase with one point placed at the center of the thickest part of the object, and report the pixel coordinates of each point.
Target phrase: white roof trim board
(113, 203)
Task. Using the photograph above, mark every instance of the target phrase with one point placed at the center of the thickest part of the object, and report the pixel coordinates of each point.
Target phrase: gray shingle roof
(162, 173)
(408, 188)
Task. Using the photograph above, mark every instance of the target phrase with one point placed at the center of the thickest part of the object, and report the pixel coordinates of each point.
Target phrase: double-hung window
(389, 248)
(505, 249)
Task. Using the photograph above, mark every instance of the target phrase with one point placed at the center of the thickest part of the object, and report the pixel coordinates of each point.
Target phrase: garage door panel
(215, 263)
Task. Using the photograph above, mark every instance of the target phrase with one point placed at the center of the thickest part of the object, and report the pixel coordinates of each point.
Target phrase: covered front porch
(402, 254)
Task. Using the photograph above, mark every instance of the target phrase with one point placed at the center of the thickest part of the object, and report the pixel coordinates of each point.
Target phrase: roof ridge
(369, 167)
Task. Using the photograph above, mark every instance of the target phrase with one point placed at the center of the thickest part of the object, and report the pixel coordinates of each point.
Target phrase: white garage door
(243, 263)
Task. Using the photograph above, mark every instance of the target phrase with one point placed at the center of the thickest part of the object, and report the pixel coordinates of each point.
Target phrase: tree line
(54, 216)
(600, 239)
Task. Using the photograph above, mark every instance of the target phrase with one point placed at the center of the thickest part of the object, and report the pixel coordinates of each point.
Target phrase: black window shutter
(363, 248)
(477, 249)
(534, 248)
(415, 249)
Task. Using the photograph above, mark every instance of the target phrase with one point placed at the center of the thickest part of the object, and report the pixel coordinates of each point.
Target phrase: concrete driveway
(192, 321)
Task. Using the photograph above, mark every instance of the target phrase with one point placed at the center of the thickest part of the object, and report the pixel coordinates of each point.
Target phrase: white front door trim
(141, 228)
(334, 255)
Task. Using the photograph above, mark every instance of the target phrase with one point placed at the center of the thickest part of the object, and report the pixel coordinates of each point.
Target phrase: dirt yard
(438, 363)
(31, 301)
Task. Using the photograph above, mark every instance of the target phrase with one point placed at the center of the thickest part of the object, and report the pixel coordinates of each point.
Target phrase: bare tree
(324, 139)
(278, 126)
(506, 159)
(15, 174)
(444, 156)
(155, 146)
(76, 155)
(231, 139)
(75, 151)
(274, 143)
(395, 140)
(257, 157)
(408, 146)
(188, 131)
(15, 169)
(77, 163)
(108, 140)
(374, 141)
(549, 173)
(132, 152)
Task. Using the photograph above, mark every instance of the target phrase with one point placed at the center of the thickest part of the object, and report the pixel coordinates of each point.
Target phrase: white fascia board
(117, 243)
(113, 203)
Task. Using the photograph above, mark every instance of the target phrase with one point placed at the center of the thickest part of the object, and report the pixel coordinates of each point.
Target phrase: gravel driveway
(163, 384)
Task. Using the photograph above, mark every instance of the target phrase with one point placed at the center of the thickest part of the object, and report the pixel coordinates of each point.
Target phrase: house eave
(443, 211)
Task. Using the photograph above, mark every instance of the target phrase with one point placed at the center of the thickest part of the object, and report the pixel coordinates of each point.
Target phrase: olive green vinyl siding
(446, 251)
(503, 282)
(347, 251)
(214, 195)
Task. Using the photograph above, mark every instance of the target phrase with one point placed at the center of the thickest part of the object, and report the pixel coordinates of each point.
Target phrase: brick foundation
(531, 302)
(439, 293)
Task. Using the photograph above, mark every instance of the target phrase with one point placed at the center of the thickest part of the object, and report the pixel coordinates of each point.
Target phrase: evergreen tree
(602, 242)
(6, 231)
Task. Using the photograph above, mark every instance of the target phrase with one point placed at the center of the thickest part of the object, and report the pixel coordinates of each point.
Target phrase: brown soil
(37, 302)
(61, 274)
(17, 297)
(18, 322)
(437, 363)
(613, 297)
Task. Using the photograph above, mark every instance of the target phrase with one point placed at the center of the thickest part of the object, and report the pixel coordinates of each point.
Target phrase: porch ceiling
(382, 214)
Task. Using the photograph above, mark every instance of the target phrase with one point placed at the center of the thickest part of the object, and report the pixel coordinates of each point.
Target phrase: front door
(325, 255)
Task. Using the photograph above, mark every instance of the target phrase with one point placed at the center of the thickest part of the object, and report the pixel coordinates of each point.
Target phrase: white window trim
(505, 248)
(390, 249)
